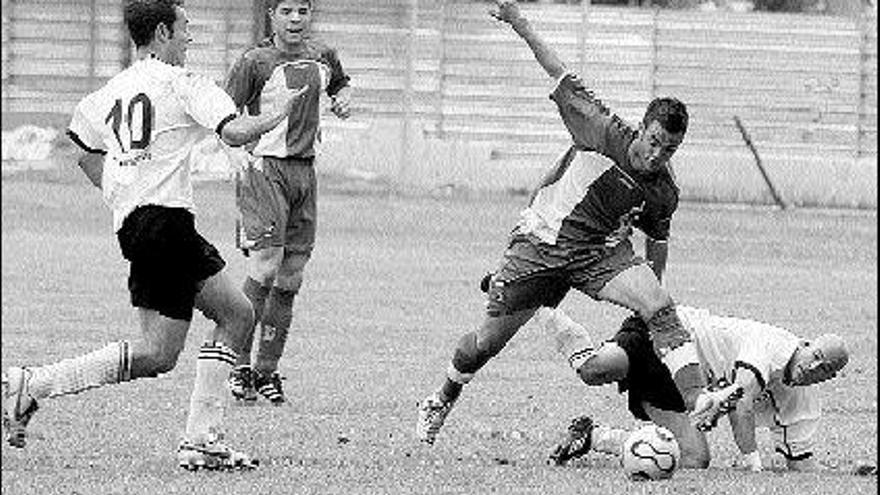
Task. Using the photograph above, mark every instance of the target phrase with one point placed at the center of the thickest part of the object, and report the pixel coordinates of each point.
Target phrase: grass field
(392, 285)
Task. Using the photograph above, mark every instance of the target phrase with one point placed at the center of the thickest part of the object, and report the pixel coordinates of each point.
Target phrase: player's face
(178, 40)
(810, 366)
(653, 147)
(291, 21)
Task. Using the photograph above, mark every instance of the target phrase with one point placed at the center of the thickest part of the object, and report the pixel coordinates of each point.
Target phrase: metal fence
(802, 84)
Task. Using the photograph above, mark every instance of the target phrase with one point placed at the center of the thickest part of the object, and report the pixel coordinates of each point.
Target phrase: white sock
(571, 338)
(108, 365)
(208, 400)
(608, 440)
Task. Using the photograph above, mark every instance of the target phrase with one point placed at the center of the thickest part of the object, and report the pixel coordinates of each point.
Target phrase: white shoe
(18, 406)
(432, 415)
(212, 455)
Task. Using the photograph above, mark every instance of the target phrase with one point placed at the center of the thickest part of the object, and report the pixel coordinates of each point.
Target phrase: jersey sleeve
(591, 125)
(239, 83)
(205, 102)
(753, 356)
(338, 78)
(81, 131)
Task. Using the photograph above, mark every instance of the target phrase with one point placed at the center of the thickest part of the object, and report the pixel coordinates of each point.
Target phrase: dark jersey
(260, 78)
(593, 196)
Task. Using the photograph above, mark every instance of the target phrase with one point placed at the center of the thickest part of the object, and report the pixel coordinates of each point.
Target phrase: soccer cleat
(578, 442)
(269, 386)
(432, 415)
(241, 384)
(18, 406)
(713, 404)
(212, 455)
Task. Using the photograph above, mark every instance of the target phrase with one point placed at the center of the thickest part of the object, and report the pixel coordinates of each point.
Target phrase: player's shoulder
(263, 51)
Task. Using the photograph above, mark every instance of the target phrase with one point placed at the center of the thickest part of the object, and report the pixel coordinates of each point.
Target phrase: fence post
(408, 82)
(93, 43)
(124, 40)
(441, 67)
(654, 49)
(582, 34)
(863, 26)
(260, 26)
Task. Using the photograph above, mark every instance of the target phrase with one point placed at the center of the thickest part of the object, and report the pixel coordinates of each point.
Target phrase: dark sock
(257, 295)
(274, 329)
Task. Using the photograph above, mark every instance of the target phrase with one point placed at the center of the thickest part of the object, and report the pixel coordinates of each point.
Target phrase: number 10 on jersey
(138, 122)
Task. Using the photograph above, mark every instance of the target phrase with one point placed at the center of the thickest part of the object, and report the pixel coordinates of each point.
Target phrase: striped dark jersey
(261, 77)
(593, 196)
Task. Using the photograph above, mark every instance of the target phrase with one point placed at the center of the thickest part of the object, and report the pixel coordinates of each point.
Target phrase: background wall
(447, 97)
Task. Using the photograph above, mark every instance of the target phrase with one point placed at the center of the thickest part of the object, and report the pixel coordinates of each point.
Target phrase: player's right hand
(506, 11)
(712, 404)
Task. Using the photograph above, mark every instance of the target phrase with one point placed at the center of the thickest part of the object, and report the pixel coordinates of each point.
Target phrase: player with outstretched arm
(277, 191)
(575, 232)
(136, 135)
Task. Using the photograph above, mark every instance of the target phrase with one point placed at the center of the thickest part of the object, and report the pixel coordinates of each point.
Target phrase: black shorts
(169, 259)
(648, 379)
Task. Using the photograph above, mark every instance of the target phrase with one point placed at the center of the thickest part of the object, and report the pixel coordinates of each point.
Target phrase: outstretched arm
(508, 11)
(245, 128)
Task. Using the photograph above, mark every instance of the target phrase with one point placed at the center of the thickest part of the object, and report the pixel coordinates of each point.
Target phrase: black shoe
(269, 386)
(241, 384)
(577, 444)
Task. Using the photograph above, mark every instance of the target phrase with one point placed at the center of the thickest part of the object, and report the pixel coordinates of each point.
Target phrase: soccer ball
(650, 453)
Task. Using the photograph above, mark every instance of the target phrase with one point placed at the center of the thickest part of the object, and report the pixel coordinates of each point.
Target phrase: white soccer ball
(650, 453)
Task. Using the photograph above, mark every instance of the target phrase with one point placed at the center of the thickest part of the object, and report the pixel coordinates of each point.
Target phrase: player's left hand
(751, 461)
(341, 104)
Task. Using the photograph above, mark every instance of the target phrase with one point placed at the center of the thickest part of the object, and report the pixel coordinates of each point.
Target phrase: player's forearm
(546, 56)
(657, 252)
(246, 128)
(92, 164)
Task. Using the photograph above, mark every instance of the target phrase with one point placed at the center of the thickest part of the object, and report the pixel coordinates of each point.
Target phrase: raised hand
(506, 11)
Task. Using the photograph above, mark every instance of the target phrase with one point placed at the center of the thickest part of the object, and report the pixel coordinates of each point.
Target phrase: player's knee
(470, 357)
(290, 273)
(595, 374)
(289, 281)
(265, 265)
(159, 360)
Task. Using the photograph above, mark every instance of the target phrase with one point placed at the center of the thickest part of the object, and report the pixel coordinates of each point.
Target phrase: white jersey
(147, 120)
(726, 344)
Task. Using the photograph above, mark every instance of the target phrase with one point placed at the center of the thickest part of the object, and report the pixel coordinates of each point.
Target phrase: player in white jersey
(136, 136)
(771, 366)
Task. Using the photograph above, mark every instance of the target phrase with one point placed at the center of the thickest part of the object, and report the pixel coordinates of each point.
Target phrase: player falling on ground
(136, 136)
(773, 367)
(576, 231)
(277, 193)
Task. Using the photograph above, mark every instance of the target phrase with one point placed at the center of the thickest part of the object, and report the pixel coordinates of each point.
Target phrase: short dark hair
(671, 113)
(273, 4)
(143, 17)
